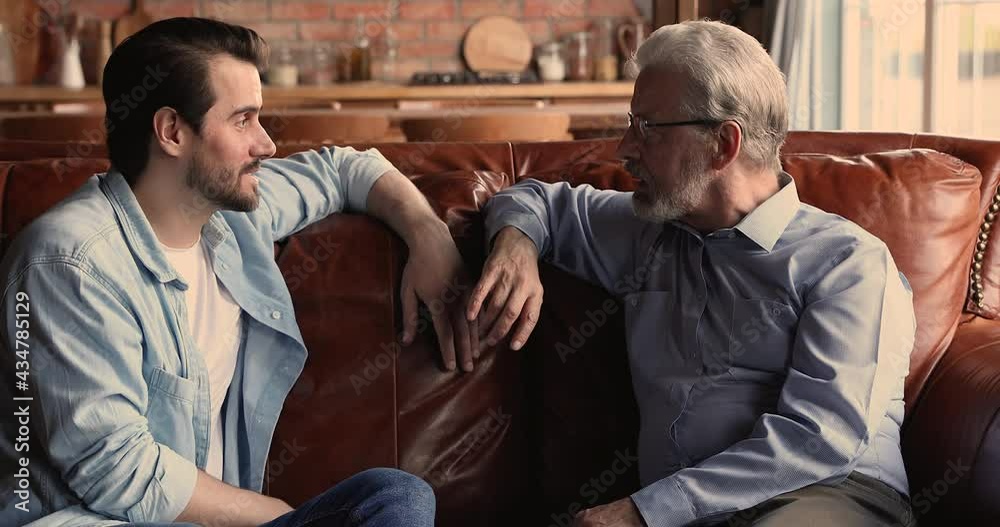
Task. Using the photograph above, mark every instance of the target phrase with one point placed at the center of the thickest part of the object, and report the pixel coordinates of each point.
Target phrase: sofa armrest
(951, 441)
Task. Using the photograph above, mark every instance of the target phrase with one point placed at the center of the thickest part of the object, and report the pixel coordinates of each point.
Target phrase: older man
(769, 341)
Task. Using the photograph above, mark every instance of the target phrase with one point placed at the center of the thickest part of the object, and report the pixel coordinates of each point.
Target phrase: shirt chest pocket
(762, 334)
(170, 412)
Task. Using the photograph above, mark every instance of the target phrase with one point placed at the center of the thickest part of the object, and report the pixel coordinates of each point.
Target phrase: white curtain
(794, 42)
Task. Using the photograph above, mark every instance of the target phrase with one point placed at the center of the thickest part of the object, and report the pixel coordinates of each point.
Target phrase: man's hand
(435, 275)
(621, 513)
(212, 504)
(510, 282)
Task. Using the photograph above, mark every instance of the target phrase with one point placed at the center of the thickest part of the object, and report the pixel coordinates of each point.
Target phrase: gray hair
(730, 76)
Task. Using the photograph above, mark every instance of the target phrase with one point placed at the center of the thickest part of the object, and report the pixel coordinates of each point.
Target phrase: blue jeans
(378, 497)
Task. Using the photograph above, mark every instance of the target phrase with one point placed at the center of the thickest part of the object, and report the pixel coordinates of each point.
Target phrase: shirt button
(731, 235)
(225, 266)
(276, 314)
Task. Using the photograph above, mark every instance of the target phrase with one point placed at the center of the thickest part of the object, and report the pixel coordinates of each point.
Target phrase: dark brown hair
(167, 64)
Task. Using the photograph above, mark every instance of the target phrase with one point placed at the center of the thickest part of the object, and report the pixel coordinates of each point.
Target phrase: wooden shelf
(363, 91)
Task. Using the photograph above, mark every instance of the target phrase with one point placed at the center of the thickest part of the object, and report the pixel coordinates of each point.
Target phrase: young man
(768, 340)
(166, 330)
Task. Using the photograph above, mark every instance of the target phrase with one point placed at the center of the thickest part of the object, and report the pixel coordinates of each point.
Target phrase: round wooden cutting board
(497, 44)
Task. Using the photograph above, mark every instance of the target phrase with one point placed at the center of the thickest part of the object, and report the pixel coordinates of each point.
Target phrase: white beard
(690, 192)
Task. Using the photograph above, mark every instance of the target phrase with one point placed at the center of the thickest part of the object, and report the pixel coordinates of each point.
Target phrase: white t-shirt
(214, 321)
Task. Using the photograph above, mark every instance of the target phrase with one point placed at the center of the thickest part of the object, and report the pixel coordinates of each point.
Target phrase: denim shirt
(764, 357)
(119, 396)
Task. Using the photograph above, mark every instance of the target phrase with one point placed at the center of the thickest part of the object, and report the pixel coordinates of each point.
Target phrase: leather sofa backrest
(29, 188)
(921, 203)
(979, 152)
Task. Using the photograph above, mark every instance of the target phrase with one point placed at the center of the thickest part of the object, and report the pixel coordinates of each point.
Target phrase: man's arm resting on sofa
(219, 504)
(434, 271)
(593, 234)
(308, 186)
(851, 350)
(303, 188)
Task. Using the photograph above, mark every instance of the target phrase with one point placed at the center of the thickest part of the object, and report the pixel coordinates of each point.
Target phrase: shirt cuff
(525, 222)
(369, 167)
(170, 491)
(664, 504)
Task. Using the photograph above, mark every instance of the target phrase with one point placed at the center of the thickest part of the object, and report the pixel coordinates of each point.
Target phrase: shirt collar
(139, 233)
(766, 223)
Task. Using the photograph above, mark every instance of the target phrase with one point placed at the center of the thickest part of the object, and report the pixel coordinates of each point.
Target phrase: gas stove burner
(456, 78)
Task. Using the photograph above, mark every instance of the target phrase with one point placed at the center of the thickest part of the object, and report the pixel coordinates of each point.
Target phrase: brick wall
(430, 31)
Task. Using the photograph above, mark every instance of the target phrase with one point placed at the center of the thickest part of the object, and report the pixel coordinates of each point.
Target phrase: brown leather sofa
(532, 435)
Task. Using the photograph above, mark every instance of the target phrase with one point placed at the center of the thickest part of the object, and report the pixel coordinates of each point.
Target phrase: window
(921, 65)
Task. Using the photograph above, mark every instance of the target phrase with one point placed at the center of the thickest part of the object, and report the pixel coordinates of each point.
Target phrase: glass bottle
(7, 69)
(320, 71)
(581, 60)
(361, 54)
(343, 61)
(389, 67)
(551, 65)
(283, 71)
(606, 56)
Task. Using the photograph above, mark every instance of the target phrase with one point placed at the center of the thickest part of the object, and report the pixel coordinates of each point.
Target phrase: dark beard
(221, 186)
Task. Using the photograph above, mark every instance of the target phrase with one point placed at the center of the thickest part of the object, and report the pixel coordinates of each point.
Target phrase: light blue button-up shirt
(764, 358)
(119, 407)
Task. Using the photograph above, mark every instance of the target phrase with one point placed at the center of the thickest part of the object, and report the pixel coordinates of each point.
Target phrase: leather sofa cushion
(29, 188)
(918, 202)
(592, 162)
(982, 154)
(978, 152)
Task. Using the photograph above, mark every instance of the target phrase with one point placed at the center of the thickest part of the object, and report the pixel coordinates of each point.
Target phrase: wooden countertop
(360, 91)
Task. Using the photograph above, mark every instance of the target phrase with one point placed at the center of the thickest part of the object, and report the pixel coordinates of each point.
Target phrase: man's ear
(729, 142)
(171, 132)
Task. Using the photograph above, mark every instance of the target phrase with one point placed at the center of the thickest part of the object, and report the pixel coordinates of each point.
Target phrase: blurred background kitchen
(373, 70)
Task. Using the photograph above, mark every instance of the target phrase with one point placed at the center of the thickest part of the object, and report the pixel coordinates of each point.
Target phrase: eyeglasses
(641, 125)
